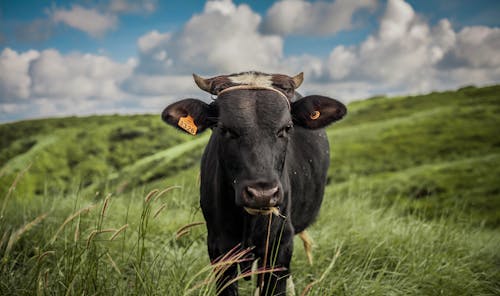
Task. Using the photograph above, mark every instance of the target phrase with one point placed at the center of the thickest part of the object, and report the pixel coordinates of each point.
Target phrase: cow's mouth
(263, 211)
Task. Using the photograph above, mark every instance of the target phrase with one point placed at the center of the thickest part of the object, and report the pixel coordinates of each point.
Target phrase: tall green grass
(129, 244)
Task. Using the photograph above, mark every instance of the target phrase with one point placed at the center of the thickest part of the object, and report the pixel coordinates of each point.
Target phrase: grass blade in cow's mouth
(263, 211)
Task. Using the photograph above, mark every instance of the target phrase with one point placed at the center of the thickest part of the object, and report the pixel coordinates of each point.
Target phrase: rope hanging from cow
(254, 87)
(304, 235)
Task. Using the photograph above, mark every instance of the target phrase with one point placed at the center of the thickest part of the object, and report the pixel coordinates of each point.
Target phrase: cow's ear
(317, 111)
(190, 115)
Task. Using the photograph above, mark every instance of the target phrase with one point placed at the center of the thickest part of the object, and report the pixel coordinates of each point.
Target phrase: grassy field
(412, 205)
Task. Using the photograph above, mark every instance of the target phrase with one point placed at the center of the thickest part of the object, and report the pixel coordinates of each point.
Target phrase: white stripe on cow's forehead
(252, 78)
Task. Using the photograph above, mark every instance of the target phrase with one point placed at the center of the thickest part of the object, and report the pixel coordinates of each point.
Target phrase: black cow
(267, 151)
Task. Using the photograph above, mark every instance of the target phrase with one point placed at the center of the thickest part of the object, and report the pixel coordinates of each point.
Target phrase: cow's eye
(288, 90)
(229, 133)
(284, 131)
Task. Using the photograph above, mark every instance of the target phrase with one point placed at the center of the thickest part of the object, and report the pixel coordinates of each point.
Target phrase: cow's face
(253, 128)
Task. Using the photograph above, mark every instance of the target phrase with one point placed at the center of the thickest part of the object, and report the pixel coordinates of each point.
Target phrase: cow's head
(253, 119)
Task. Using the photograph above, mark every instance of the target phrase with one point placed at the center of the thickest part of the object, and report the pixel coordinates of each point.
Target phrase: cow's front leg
(275, 283)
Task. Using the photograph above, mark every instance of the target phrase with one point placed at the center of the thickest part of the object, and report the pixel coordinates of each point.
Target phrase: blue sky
(120, 56)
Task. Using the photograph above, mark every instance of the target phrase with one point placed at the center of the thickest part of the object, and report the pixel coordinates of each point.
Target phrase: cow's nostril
(262, 193)
(250, 191)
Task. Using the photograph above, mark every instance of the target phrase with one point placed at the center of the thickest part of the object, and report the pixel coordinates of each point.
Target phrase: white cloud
(90, 21)
(299, 17)
(224, 38)
(158, 85)
(344, 90)
(15, 81)
(406, 55)
(476, 47)
(152, 40)
(51, 83)
(96, 21)
(48, 83)
(311, 65)
(341, 61)
(76, 76)
(397, 19)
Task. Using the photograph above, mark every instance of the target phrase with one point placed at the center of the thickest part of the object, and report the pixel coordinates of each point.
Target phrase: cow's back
(307, 164)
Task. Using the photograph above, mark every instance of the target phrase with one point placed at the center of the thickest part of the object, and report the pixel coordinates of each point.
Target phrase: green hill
(86, 150)
(412, 202)
(436, 151)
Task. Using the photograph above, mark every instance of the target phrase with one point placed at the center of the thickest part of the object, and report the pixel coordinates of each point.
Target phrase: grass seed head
(150, 195)
(120, 230)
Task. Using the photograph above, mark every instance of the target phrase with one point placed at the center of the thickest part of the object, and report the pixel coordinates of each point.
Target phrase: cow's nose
(260, 195)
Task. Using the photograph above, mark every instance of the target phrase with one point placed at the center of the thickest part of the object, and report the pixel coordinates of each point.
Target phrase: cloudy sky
(123, 56)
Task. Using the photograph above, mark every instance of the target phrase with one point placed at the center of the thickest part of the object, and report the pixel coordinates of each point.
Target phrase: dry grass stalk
(234, 256)
(159, 210)
(190, 225)
(264, 262)
(120, 230)
(180, 234)
(107, 230)
(13, 186)
(150, 195)
(165, 191)
(17, 235)
(91, 236)
(46, 279)
(113, 264)
(105, 205)
(254, 272)
(186, 229)
(96, 232)
(43, 282)
(77, 232)
(220, 265)
(230, 253)
(69, 219)
(308, 288)
(266, 211)
(43, 255)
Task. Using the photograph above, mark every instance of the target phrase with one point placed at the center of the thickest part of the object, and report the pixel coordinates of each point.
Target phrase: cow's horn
(297, 79)
(201, 82)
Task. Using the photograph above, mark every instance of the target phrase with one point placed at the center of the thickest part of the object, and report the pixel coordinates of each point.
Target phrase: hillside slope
(431, 151)
(69, 152)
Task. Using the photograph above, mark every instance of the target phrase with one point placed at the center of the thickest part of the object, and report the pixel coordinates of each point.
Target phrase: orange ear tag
(315, 115)
(187, 124)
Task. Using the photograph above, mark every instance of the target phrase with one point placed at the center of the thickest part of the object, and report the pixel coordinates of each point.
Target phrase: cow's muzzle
(261, 195)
